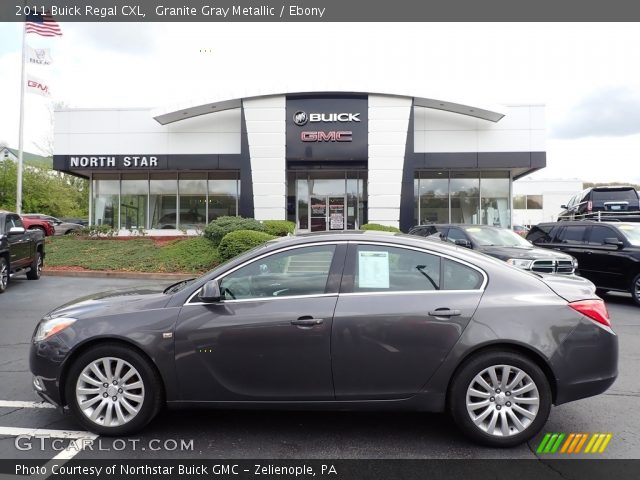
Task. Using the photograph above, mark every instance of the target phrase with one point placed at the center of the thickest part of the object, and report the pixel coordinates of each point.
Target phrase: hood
(113, 302)
(570, 287)
(527, 253)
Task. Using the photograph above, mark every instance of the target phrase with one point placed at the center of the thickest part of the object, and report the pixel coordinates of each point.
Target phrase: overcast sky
(588, 75)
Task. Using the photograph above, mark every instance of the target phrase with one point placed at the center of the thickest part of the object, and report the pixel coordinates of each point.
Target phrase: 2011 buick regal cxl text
(335, 321)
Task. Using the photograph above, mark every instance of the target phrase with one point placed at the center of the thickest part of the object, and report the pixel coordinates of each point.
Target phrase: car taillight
(596, 310)
(589, 206)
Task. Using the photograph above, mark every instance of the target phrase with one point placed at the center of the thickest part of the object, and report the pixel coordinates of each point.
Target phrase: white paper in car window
(373, 269)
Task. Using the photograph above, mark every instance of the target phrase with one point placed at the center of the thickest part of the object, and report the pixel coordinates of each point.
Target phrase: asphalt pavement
(230, 434)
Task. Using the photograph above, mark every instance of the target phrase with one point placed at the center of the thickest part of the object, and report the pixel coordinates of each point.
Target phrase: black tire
(36, 267)
(152, 384)
(4, 274)
(635, 289)
(477, 364)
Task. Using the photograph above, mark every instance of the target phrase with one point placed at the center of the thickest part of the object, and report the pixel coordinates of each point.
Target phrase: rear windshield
(628, 195)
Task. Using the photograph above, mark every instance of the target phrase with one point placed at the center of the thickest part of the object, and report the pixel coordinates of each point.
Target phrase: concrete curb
(109, 274)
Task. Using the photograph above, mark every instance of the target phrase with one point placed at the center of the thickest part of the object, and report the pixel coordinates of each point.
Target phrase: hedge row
(221, 226)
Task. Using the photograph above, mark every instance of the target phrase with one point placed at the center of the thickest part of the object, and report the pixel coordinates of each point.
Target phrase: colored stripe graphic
(573, 443)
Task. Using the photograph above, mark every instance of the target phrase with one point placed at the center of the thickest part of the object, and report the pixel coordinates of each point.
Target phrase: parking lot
(264, 434)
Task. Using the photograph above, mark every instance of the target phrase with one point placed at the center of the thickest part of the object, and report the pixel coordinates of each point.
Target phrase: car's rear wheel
(500, 398)
(4, 274)
(36, 267)
(113, 390)
(635, 289)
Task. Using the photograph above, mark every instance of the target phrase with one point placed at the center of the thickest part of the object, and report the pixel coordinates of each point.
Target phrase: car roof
(464, 225)
(587, 222)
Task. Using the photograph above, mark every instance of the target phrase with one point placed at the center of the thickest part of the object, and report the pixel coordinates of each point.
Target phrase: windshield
(632, 232)
(496, 237)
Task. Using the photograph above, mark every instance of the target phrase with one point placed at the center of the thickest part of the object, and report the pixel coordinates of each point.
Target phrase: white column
(266, 133)
(388, 123)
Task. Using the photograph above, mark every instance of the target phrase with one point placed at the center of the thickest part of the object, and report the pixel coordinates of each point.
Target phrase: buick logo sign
(300, 118)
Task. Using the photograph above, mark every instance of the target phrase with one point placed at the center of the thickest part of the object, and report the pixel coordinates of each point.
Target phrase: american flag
(43, 25)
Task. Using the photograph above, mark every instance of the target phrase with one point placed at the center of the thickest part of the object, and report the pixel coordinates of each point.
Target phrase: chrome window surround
(485, 279)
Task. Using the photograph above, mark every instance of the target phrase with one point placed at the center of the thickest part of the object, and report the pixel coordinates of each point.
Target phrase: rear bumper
(586, 364)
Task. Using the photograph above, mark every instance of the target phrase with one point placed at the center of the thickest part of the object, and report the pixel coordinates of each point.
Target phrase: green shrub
(235, 243)
(279, 228)
(194, 254)
(379, 228)
(218, 228)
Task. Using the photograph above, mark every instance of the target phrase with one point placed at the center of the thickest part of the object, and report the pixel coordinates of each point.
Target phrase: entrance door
(318, 213)
(327, 213)
(336, 213)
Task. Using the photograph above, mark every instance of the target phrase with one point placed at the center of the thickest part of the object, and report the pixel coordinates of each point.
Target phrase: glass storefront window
(106, 202)
(494, 192)
(134, 192)
(465, 197)
(162, 200)
(192, 200)
(434, 197)
(476, 197)
(224, 194)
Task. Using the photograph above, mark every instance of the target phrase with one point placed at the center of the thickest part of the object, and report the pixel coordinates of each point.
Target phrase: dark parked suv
(501, 243)
(608, 252)
(616, 202)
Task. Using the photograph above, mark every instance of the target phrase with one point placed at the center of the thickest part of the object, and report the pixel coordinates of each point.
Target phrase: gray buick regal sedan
(335, 321)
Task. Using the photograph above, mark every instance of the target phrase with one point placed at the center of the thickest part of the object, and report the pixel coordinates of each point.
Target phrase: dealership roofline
(167, 116)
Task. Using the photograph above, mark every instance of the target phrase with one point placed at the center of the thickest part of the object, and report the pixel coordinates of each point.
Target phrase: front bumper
(586, 364)
(45, 362)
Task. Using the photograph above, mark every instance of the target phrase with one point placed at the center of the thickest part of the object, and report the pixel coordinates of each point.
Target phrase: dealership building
(324, 160)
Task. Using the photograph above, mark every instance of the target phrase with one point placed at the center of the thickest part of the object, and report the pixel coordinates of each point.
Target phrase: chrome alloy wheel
(39, 265)
(110, 391)
(502, 400)
(636, 288)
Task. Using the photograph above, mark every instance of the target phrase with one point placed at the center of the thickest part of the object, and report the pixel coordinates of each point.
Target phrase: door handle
(444, 312)
(307, 321)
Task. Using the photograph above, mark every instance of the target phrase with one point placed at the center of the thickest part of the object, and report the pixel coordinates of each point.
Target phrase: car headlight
(48, 328)
(575, 263)
(520, 263)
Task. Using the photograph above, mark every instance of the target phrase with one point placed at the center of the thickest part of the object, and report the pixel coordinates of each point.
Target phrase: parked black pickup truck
(21, 251)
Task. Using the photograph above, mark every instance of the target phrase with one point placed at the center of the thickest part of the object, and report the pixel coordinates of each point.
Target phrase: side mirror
(463, 243)
(15, 231)
(563, 206)
(210, 292)
(57, 222)
(613, 241)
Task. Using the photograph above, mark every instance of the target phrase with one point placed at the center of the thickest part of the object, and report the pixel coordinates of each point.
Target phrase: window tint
(599, 233)
(456, 234)
(380, 269)
(539, 234)
(571, 235)
(460, 277)
(614, 195)
(301, 271)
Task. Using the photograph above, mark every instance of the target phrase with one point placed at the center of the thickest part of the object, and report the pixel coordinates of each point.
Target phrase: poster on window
(336, 221)
(373, 269)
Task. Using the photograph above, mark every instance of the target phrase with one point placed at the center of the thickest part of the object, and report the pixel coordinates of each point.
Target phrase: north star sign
(113, 161)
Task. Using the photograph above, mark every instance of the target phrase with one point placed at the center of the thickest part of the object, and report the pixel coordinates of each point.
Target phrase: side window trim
(336, 244)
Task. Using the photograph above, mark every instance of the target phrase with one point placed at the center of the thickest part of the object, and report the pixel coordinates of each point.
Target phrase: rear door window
(571, 235)
(599, 233)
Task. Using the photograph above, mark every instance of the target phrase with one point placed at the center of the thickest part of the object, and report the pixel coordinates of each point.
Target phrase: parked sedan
(335, 321)
(60, 227)
(502, 244)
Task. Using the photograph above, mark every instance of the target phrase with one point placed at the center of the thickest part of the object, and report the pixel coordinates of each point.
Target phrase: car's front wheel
(500, 398)
(113, 390)
(635, 289)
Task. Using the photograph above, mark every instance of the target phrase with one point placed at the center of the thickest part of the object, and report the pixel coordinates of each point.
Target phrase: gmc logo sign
(333, 136)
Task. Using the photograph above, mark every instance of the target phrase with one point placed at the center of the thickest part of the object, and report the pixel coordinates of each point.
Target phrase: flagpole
(21, 127)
